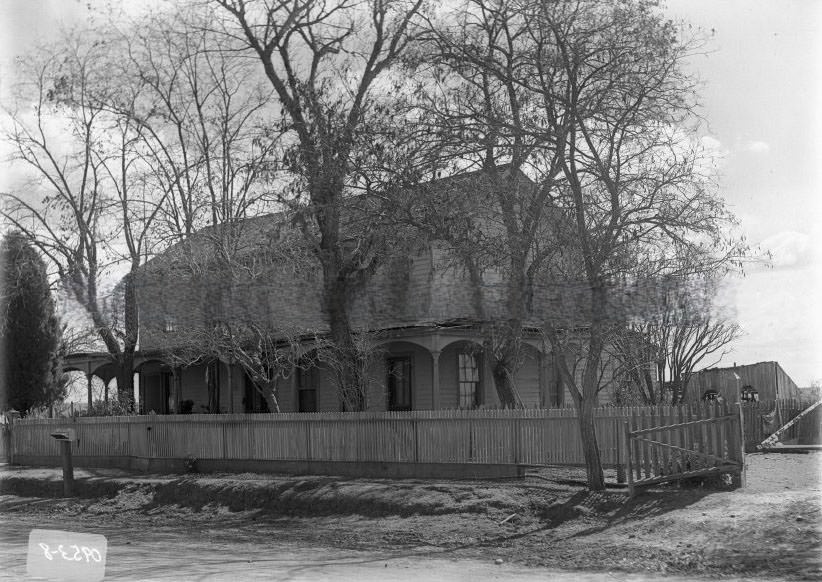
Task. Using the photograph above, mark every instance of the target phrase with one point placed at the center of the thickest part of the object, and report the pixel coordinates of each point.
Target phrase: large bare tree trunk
(506, 353)
(336, 295)
(509, 349)
(270, 392)
(125, 379)
(585, 397)
(590, 446)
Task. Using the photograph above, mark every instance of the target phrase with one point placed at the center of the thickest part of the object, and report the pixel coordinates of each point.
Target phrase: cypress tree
(30, 332)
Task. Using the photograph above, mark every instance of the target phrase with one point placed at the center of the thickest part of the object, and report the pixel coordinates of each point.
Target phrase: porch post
(136, 383)
(435, 379)
(89, 377)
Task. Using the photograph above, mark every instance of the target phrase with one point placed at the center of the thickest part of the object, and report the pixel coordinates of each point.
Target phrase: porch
(413, 369)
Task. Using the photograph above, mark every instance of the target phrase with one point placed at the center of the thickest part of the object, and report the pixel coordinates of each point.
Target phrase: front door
(399, 383)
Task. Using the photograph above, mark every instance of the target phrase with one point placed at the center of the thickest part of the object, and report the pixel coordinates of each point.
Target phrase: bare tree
(325, 62)
(477, 113)
(206, 123)
(676, 324)
(638, 193)
(91, 210)
(266, 355)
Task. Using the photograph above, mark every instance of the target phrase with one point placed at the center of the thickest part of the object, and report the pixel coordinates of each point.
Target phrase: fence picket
(532, 436)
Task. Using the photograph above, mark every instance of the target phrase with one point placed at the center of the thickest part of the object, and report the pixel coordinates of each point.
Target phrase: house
(419, 307)
(750, 382)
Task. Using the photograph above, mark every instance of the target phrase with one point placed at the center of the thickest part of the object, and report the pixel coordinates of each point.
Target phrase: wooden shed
(761, 381)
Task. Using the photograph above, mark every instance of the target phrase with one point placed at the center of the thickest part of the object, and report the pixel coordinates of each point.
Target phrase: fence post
(416, 441)
(620, 468)
(629, 458)
(308, 426)
(10, 441)
(743, 470)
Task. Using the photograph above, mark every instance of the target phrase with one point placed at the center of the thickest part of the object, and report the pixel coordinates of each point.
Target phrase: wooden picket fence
(761, 419)
(685, 446)
(521, 437)
(5, 442)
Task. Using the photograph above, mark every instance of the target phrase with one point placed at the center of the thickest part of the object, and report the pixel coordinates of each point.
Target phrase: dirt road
(769, 531)
(168, 553)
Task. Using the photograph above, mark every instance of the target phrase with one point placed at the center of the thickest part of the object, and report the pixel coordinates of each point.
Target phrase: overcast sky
(763, 105)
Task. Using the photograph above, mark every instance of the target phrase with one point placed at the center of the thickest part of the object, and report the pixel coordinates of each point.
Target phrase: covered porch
(414, 368)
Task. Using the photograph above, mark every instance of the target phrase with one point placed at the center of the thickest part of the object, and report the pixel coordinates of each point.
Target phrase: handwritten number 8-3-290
(77, 555)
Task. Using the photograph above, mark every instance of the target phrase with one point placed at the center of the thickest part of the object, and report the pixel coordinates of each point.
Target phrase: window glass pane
(468, 380)
(399, 383)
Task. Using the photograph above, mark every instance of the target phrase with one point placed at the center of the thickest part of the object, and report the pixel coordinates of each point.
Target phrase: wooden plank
(635, 446)
(740, 451)
(688, 474)
(699, 421)
(500, 436)
(668, 437)
(646, 450)
(710, 437)
(629, 458)
(704, 455)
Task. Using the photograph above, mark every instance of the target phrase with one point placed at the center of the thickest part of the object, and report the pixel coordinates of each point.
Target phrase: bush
(111, 408)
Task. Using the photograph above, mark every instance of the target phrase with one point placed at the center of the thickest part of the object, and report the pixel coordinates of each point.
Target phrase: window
(749, 394)
(213, 384)
(170, 325)
(308, 382)
(469, 377)
(399, 383)
(167, 387)
(556, 389)
(710, 395)
(253, 401)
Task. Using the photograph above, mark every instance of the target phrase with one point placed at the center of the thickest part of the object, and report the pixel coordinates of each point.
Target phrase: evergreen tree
(30, 330)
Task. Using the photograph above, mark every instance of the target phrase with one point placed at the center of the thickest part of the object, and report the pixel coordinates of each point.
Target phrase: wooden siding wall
(529, 378)
(5, 442)
(767, 378)
(764, 418)
(525, 436)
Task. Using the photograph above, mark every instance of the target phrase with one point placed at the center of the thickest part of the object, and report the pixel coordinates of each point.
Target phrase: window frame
(308, 380)
(406, 358)
(476, 357)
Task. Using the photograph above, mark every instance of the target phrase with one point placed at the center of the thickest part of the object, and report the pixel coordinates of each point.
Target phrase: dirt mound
(309, 496)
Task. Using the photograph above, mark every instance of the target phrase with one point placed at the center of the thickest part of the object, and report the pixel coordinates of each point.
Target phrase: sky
(762, 105)
(762, 102)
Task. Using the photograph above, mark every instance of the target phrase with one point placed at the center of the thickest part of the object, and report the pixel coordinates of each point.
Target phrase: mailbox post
(65, 437)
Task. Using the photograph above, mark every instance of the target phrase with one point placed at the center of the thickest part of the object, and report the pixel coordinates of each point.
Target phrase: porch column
(88, 384)
(435, 379)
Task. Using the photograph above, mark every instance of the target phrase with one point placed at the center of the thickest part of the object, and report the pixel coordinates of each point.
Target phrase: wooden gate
(685, 449)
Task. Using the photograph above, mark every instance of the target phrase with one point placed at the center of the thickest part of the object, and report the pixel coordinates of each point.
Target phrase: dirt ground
(772, 529)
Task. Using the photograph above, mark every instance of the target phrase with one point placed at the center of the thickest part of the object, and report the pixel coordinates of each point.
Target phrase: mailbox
(65, 435)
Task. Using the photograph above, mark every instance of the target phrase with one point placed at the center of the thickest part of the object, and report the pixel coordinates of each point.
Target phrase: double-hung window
(308, 380)
(469, 380)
